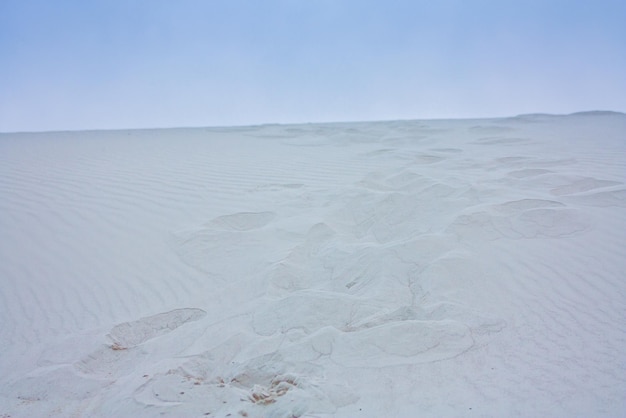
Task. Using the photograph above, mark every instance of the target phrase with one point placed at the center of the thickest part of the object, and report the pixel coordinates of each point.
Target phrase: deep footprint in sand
(119, 356)
(265, 385)
(129, 334)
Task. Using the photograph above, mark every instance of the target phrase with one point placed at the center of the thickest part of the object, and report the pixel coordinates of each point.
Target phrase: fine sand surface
(390, 269)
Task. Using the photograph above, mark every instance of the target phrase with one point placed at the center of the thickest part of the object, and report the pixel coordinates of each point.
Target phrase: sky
(117, 64)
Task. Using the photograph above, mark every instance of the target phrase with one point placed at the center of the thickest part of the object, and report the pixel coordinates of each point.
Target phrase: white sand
(397, 269)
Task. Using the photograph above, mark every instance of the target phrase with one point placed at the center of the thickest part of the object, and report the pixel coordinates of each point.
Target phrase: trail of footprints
(351, 290)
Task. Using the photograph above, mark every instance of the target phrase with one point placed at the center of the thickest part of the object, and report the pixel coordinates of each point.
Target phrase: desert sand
(375, 269)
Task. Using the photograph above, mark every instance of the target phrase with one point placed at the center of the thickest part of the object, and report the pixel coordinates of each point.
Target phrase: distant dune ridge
(401, 268)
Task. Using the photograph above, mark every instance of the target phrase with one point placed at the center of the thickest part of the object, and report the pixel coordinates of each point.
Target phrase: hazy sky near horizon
(106, 64)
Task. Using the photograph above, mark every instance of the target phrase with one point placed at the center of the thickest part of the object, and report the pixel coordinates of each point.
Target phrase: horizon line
(256, 125)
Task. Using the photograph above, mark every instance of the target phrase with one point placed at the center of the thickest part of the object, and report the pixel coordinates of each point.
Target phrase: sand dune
(407, 268)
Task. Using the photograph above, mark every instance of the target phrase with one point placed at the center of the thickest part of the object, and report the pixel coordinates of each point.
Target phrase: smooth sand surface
(396, 269)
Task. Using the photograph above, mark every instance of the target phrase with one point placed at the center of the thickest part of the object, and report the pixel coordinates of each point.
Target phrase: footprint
(515, 206)
(110, 362)
(120, 357)
(427, 159)
(601, 199)
(211, 248)
(528, 172)
(583, 185)
(499, 141)
(130, 334)
(405, 342)
(527, 218)
(243, 221)
(550, 223)
(302, 268)
(448, 150)
(379, 152)
(492, 129)
(276, 187)
(266, 385)
(310, 311)
(407, 181)
(60, 390)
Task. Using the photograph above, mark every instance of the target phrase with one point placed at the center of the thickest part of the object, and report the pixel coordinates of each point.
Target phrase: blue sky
(106, 64)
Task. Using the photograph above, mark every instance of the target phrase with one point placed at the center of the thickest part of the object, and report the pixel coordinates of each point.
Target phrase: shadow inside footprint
(118, 358)
(129, 334)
